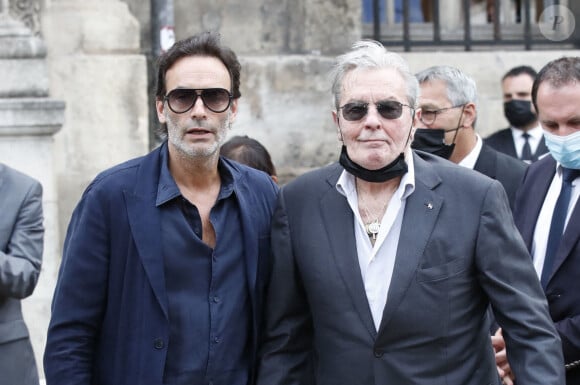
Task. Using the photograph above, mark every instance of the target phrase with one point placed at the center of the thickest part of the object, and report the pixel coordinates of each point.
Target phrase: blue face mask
(565, 149)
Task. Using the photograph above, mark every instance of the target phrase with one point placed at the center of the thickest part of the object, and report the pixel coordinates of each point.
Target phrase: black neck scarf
(396, 168)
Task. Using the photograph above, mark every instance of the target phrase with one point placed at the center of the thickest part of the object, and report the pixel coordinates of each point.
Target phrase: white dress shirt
(377, 262)
(535, 138)
(542, 230)
(471, 158)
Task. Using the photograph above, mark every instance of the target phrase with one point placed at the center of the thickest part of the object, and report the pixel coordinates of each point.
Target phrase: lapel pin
(429, 205)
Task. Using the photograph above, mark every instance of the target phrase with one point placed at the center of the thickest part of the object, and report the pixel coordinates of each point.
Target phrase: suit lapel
(569, 239)
(526, 216)
(421, 211)
(336, 213)
(509, 145)
(250, 245)
(145, 223)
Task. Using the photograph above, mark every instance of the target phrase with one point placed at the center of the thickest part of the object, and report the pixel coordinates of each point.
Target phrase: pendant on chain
(373, 229)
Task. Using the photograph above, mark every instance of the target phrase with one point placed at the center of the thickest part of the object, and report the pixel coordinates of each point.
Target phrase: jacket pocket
(441, 272)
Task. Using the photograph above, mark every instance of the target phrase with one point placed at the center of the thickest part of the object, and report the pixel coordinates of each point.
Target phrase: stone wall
(287, 48)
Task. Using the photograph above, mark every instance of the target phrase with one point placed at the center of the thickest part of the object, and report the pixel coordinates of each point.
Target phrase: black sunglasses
(388, 109)
(181, 100)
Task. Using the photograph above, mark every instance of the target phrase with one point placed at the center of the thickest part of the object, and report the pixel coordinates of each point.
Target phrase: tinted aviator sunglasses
(181, 100)
(388, 109)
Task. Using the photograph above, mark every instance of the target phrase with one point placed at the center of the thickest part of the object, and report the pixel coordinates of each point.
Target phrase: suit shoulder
(546, 165)
(113, 181)
(510, 163)
(17, 176)
(450, 173)
(498, 136)
(319, 177)
(117, 174)
(255, 179)
(19, 182)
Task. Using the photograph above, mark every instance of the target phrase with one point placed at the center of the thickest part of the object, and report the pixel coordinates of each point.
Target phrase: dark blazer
(109, 320)
(505, 169)
(458, 251)
(562, 288)
(503, 141)
(21, 246)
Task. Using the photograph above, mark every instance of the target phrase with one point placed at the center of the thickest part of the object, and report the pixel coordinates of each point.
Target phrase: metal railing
(507, 23)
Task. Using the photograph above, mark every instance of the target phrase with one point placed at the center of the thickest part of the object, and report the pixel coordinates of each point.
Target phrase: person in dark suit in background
(384, 264)
(21, 245)
(166, 256)
(547, 208)
(250, 152)
(524, 138)
(446, 127)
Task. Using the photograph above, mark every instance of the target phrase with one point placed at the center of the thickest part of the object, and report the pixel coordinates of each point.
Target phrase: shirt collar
(536, 132)
(167, 188)
(471, 158)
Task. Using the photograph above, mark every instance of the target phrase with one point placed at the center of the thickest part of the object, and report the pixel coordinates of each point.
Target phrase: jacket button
(378, 353)
(158, 343)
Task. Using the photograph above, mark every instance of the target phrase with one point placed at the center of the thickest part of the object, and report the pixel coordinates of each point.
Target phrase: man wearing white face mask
(547, 211)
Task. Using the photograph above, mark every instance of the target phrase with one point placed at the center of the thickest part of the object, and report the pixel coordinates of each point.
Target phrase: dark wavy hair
(250, 152)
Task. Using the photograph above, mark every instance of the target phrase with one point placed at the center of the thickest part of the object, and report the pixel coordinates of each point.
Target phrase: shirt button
(216, 299)
(217, 340)
(378, 353)
(158, 343)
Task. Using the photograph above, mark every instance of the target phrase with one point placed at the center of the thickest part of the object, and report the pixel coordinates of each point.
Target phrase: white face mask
(565, 149)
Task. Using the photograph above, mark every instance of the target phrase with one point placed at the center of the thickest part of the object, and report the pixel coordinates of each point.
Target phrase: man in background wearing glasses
(446, 127)
(384, 263)
(166, 255)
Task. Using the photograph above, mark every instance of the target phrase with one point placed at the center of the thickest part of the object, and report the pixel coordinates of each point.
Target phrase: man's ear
(469, 115)
(234, 109)
(337, 124)
(160, 108)
(417, 117)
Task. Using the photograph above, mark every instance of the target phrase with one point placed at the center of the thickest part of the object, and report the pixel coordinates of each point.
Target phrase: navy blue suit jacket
(562, 288)
(109, 320)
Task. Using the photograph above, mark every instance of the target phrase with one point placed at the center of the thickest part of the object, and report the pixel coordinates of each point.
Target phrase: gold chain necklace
(374, 226)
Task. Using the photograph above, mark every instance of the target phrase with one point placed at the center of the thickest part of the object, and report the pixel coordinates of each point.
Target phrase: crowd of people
(426, 254)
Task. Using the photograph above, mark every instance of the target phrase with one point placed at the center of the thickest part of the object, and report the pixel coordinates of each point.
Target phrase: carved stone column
(28, 121)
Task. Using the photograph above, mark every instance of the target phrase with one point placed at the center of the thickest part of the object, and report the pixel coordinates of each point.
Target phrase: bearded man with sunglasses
(446, 127)
(165, 258)
(385, 262)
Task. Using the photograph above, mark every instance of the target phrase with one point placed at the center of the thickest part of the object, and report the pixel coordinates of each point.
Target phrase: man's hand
(501, 361)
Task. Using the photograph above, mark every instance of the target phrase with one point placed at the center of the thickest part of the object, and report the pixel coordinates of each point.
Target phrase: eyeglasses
(429, 116)
(181, 100)
(388, 109)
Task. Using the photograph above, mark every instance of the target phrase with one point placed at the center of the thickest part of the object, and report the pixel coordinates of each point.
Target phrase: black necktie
(526, 150)
(558, 220)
